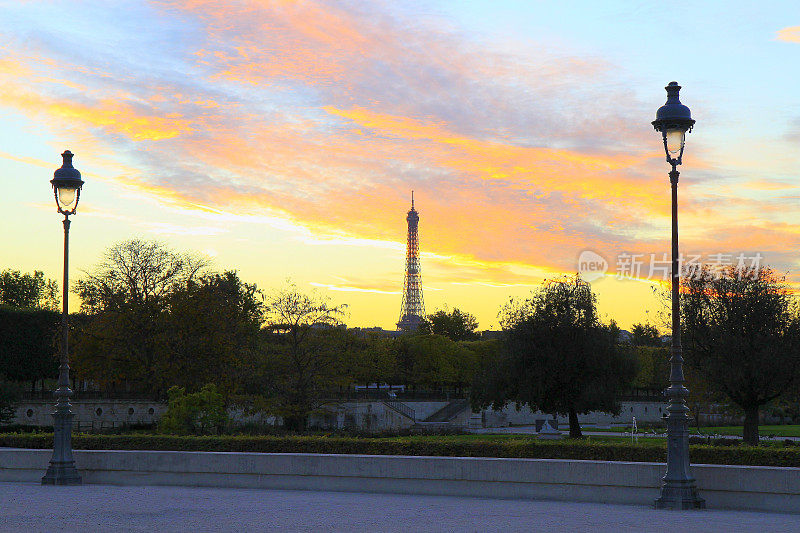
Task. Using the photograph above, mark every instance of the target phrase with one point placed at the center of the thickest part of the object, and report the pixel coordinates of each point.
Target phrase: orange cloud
(124, 119)
(319, 34)
(520, 166)
(789, 35)
(327, 116)
(111, 115)
(769, 185)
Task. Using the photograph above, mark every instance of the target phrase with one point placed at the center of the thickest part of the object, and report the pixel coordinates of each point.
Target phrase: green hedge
(525, 448)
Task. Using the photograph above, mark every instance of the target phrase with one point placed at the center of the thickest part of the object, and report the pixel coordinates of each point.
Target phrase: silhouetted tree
(558, 357)
(645, 335)
(212, 330)
(374, 360)
(742, 332)
(28, 326)
(427, 361)
(304, 352)
(472, 357)
(28, 291)
(457, 325)
(126, 298)
(28, 343)
(653, 367)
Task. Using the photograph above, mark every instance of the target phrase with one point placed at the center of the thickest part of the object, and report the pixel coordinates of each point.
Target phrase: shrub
(715, 441)
(9, 397)
(197, 413)
(438, 446)
(25, 428)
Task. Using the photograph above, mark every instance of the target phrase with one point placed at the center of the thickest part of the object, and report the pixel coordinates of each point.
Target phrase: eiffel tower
(412, 310)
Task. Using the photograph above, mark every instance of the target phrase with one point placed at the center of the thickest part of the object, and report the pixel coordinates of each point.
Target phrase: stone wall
(93, 414)
(753, 488)
(361, 415)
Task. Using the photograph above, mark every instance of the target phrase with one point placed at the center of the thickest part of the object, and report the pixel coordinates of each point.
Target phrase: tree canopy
(653, 367)
(28, 291)
(28, 326)
(197, 413)
(645, 335)
(742, 336)
(212, 328)
(136, 273)
(305, 350)
(558, 357)
(457, 325)
(156, 318)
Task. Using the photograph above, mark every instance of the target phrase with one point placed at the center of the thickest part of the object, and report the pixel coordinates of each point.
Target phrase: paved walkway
(30, 508)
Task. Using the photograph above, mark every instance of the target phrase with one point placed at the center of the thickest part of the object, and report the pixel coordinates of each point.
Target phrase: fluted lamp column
(67, 184)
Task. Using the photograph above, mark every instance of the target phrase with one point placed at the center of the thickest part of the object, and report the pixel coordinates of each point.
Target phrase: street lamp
(67, 185)
(678, 490)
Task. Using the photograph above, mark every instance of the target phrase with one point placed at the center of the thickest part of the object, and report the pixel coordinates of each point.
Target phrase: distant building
(489, 334)
(412, 309)
(375, 331)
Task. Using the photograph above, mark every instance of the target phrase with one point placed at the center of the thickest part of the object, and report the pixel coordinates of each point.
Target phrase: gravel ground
(30, 507)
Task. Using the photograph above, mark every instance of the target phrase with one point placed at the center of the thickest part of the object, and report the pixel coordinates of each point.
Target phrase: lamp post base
(62, 464)
(680, 497)
(62, 473)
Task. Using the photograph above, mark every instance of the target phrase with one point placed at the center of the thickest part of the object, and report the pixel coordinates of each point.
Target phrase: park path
(31, 507)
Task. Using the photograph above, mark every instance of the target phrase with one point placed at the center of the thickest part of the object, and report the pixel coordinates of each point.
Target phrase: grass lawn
(778, 431)
(504, 437)
(615, 429)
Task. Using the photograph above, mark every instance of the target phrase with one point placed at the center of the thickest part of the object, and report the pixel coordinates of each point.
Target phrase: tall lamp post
(678, 490)
(67, 185)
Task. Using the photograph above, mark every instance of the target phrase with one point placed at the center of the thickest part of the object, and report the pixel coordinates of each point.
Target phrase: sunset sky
(283, 139)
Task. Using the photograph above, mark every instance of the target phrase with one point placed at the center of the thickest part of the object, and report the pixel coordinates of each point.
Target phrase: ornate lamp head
(67, 185)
